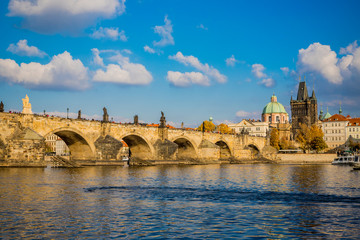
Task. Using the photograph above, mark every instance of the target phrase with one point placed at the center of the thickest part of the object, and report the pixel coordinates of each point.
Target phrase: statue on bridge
(26, 105)
(1, 107)
(106, 115)
(162, 121)
(136, 119)
(79, 115)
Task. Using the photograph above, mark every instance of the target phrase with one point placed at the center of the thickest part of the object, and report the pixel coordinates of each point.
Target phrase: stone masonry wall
(24, 153)
(306, 158)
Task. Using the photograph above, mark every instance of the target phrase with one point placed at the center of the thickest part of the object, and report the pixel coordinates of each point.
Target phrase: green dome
(327, 115)
(274, 107)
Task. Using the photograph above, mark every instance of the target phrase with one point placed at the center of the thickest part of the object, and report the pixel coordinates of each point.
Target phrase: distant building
(254, 128)
(274, 112)
(276, 116)
(61, 147)
(56, 144)
(322, 116)
(50, 142)
(353, 129)
(303, 109)
(334, 129)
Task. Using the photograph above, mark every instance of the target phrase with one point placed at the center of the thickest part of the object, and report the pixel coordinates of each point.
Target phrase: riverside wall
(305, 158)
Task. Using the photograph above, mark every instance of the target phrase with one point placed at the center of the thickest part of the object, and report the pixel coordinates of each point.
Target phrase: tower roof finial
(340, 110)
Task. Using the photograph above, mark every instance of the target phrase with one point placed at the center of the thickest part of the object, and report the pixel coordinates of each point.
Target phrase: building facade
(334, 129)
(303, 109)
(274, 112)
(61, 147)
(276, 116)
(56, 145)
(254, 128)
(353, 129)
(50, 142)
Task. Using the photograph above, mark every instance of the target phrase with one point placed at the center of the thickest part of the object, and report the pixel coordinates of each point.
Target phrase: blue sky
(190, 59)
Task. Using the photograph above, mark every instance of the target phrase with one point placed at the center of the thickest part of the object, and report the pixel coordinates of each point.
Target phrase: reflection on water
(212, 201)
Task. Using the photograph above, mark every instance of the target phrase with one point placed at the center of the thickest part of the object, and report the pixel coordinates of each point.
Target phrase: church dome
(327, 115)
(274, 107)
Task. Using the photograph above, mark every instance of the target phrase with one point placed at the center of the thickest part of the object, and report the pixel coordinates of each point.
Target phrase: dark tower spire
(302, 92)
(313, 94)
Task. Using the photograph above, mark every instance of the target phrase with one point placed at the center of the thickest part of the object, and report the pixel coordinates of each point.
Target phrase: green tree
(209, 126)
(48, 148)
(274, 138)
(353, 145)
(318, 144)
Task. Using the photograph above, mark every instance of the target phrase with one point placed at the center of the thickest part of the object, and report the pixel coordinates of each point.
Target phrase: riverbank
(281, 159)
(300, 158)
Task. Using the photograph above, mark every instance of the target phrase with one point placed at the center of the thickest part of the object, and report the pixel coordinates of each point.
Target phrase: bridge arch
(186, 147)
(81, 148)
(255, 150)
(225, 151)
(139, 146)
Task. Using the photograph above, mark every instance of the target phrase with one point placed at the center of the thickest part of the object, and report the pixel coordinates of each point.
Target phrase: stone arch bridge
(102, 141)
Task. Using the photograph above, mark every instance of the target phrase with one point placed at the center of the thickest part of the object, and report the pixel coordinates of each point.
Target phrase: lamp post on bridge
(67, 113)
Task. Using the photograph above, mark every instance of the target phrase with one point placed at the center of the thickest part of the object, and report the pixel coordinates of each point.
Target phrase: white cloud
(97, 59)
(123, 72)
(62, 72)
(23, 49)
(227, 122)
(70, 16)
(285, 70)
(267, 82)
(244, 114)
(165, 34)
(231, 61)
(257, 70)
(110, 33)
(127, 51)
(349, 49)
(321, 59)
(355, 63)
(205, 68)
(187, 79)
(149, 49)
(201, 26)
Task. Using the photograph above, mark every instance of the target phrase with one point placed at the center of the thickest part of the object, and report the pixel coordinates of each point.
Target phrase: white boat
(346, 160)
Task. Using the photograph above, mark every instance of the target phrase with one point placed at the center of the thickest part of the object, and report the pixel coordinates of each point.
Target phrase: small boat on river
(350, 160)
(356, 167)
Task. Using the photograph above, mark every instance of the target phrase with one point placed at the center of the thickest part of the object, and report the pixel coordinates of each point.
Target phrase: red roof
(336, 117)
(354, 122)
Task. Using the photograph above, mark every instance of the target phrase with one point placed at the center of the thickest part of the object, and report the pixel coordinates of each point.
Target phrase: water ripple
(197, 194)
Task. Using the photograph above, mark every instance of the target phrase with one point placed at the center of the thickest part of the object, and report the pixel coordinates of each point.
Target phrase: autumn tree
(311, 138)
(209, 126)
(223, 128)
(285, 144)
(274, 138)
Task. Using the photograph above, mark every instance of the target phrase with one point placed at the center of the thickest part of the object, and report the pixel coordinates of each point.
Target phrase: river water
(189, 202)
